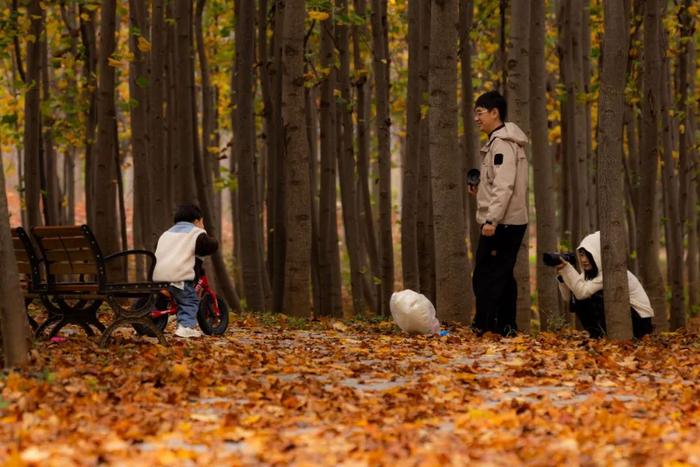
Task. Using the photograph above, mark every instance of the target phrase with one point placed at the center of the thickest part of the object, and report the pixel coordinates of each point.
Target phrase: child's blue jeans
(187, 304)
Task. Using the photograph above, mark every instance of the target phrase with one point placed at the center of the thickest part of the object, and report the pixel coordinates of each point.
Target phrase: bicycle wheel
(209, 323)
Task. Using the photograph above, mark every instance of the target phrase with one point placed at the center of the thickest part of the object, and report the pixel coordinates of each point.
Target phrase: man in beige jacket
(502, 214)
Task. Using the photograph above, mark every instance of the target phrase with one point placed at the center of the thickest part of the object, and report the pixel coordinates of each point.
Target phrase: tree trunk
(583, 209)
(426, 233)
(647, 215)
(244, 146)
(298, 215)
(383, 123)
(673, 228)
(51, 192)
(89, 40)
(346, 167)
(329, 259)
(518, 85)
(470, 139)
(160, 202)
(409, 185)
(32, 117)
(105, 215)
(366, 219)
(139, 112)
(14, 328)
(686, 153)
(182, 101)
(446, 171)
(610, 186)
(547, 297)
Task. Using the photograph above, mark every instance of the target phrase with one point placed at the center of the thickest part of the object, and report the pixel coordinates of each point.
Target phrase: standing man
(501, 212)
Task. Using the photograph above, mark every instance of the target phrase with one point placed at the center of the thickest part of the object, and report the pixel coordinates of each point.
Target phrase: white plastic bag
(413, 312)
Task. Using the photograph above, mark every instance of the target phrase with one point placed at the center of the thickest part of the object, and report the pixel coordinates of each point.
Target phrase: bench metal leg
(63, 314)
(128, 316)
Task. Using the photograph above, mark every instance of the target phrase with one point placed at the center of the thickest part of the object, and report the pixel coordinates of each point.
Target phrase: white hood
(591, 243)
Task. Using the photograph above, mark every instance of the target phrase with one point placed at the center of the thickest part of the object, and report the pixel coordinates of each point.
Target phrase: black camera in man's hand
(552, 259)
(473, 177)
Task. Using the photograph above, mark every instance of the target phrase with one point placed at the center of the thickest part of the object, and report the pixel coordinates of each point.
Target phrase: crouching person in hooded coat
(584, 291)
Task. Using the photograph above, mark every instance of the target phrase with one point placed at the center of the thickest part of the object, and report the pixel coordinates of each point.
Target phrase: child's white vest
(175, 258)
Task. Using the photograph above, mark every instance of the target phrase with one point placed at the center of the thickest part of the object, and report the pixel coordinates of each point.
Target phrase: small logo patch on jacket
(498, 159)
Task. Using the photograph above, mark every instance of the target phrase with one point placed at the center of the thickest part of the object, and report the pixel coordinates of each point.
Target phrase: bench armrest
(126, 253)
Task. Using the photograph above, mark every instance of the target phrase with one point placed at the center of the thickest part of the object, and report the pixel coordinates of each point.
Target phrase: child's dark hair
(594, 267)
(493, 100)
(187, 213)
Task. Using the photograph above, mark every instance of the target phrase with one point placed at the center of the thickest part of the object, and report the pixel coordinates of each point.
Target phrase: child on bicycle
(178, 256)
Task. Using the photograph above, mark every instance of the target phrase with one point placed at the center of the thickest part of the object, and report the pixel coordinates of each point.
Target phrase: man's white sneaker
(182, 331)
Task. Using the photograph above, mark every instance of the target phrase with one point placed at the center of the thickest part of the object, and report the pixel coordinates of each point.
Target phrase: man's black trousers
(493, 281)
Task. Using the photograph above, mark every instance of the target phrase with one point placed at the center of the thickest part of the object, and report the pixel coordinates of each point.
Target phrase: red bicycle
(212, 315)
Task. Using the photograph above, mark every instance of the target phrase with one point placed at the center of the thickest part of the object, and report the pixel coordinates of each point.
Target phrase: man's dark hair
(187, 213)
(493, 100)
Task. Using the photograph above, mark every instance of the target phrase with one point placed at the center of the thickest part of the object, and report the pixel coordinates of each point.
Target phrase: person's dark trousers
(494, 285)
(591, 313)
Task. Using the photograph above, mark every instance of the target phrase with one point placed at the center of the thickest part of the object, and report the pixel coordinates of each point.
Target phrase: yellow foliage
(318, 15)
(143, 44)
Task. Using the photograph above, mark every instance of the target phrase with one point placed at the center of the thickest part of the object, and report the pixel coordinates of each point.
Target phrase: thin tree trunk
(647, 215)
(368, 236)
(451, 260)
(673, 228)
(159, 199)
(105, 215)
(518, 85)
(32, 117)
(52, 197)
(686, 153)
(547, 297)
(583, 209)
(409, 185)
(244, 146)
(298, 215)
(383, 123)
(329, 260)
(346, 167)
(470, 140)
(139, 113)
(88, 37)
(610, 187)
(14, 328)
(426, 233)
(184, 82)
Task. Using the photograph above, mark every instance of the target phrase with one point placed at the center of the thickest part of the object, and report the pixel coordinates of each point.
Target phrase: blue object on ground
(444, 332)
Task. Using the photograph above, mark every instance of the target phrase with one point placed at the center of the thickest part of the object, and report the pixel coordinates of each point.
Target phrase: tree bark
(32, 116)
(547, 295)
(409, 185)
(383, 123)
(470, 139)
(183, 103)
(518, 85)
(673, 228)
(346, 167)
(51, 191)
(244, 146)
(448, 209)
(647, 215)
(610, 187)
(105, 215)
(329, 254)
(298, 215)
(89, 40)
(14, 328)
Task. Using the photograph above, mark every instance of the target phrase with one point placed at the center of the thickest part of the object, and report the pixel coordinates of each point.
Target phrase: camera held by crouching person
(473, 177)
(553, 259)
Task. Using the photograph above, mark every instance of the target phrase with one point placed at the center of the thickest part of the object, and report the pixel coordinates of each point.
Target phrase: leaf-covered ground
(354, 394)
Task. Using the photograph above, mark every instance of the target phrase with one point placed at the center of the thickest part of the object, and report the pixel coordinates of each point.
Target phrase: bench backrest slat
(70, 251)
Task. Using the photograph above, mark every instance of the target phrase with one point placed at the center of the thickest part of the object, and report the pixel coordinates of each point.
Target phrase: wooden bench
(29, 267)
(79, 279)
